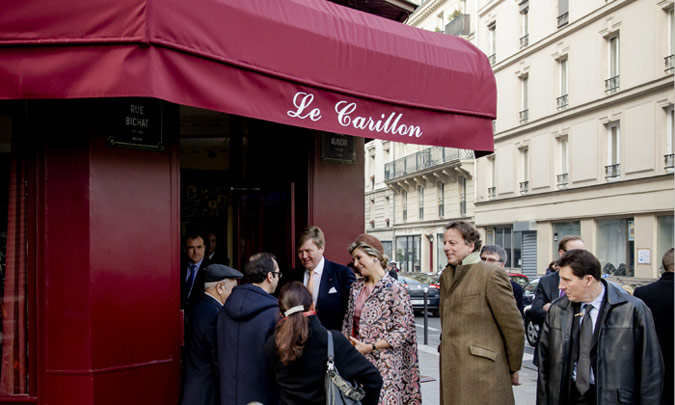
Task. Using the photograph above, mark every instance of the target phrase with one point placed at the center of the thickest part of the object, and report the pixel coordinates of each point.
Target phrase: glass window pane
(401, 250)
(665, 235)
(562, 229)
(386, 244)
(615, 247)
(442, 259)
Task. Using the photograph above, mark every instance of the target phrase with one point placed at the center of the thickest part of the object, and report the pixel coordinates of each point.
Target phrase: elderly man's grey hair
(496, 249)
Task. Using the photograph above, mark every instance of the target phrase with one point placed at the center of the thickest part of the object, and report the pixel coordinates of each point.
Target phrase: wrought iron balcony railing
(668, 160)
(670, 63)
(612, 171)
(423, 160)
(524, 116)
(459, 26)
(612, 85)
(563, 19)
(492, 59)
(492, 192)
(562, 102)
(562, 180)
(524, 41)
(524, 187)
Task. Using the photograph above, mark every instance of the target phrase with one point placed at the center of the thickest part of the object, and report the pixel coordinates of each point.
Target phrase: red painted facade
(106, 241)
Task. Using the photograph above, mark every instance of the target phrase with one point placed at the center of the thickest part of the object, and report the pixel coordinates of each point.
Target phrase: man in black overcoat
(659, 298)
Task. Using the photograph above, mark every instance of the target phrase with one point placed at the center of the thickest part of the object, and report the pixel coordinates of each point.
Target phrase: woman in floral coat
(381, 324)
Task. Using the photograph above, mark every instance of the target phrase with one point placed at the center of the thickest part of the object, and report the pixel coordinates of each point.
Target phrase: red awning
(309, 63)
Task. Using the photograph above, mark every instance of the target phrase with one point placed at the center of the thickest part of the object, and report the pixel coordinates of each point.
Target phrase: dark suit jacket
(330, 307)
(546, 292)
(518, 295)
(660, 299)
(197, 288)
(201, 366)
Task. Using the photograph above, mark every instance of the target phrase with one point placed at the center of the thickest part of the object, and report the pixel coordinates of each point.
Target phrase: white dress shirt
(316, 280)
(596, 303)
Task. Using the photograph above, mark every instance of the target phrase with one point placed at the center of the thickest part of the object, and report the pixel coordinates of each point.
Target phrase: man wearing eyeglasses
(497, 255)
(244, 323)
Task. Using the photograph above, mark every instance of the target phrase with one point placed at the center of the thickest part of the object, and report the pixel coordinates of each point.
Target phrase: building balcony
(668, 159)
(492, 59)
(524, 41)
(524, 187)
(612, 171)
(460, 26)
(524, 116)
(562, 180)
(492, 193)
(424, 160)
(612, 85)
(670, 63)
(561, 102)
(563, 19)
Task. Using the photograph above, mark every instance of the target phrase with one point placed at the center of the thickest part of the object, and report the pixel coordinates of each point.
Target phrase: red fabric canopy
(308, 63)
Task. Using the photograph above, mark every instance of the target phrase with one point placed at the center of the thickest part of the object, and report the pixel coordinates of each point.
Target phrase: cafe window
(14, 265)
(408, 253)
(665, 235)
(616, 240)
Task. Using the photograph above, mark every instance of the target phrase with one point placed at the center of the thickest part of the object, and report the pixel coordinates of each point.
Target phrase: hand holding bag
(338, 390)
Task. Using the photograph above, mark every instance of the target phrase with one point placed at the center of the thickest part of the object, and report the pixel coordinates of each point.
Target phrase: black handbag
(338, 390)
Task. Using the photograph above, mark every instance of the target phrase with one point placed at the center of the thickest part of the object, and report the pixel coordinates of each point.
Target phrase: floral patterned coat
(387, 314)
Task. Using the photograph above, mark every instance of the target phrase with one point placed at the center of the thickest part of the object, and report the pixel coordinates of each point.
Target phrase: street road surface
(525, 394)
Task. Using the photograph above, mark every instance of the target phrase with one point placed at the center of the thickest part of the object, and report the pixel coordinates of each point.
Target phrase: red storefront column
(337, 201)
(109, 324)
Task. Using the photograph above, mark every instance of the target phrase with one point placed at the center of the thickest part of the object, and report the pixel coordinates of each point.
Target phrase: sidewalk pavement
(525, 394)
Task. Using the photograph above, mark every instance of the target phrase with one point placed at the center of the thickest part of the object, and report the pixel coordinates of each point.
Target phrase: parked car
(528, 291)
(416, 283)
(531, 327)
(519, 278)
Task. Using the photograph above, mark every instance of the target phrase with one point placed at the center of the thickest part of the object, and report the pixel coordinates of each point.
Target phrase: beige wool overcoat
(483, 334)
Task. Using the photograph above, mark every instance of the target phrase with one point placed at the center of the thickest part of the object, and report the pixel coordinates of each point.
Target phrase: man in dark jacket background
(244, 324)
(598, 344)
(660, 299)
(201, 364)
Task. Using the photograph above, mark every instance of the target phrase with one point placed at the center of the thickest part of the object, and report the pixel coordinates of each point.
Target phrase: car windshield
(531, 286)
(416, 278)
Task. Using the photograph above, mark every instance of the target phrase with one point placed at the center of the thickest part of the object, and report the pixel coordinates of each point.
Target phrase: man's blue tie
(193, 272)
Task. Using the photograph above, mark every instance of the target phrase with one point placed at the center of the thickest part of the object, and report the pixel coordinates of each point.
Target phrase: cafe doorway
(245, 181)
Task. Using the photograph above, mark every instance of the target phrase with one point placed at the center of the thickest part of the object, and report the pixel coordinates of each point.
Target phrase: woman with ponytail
(297, 353)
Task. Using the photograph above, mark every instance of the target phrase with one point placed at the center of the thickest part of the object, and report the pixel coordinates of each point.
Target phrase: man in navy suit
(328, 282)
(192, 269)
(201, 362)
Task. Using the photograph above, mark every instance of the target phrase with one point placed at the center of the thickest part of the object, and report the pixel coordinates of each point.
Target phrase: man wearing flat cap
(201, 361)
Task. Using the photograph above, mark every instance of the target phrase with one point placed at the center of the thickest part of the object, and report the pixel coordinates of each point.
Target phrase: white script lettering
(388, 125)
(301, 101)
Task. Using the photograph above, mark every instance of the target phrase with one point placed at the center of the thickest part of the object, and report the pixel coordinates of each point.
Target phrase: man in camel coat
(482, 330)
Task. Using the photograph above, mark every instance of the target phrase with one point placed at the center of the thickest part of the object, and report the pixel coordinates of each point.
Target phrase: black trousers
(589, 398)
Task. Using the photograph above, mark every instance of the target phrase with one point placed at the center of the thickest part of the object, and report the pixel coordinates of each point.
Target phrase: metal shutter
(529, 254)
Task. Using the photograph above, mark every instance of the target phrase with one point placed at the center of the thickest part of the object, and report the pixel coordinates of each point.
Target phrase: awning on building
(308, 63)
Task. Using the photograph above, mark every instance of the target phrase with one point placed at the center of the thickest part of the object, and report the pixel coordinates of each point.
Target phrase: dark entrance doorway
(244, 180)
